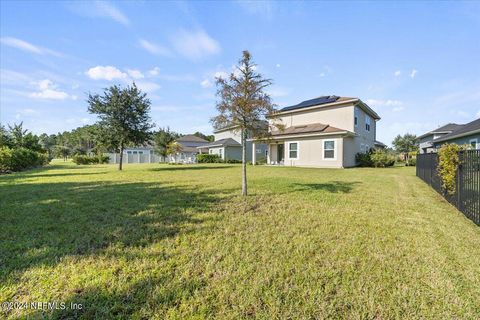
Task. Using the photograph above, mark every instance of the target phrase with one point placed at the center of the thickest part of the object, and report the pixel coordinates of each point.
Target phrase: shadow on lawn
(186, 168)
(332, 186)
(43, 222)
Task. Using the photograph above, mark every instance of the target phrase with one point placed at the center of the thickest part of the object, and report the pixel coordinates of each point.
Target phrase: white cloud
(135, 73)
(108, 10)
(278, 65)
(147, 86)
(384, 103)
(105, 73)
(154, 72)
(478, 114)
(221, 74)
(397, 73)
(413, 73)
(264, 9)
(206, 83)
(322, 74)
(398, 109)
(28, 47)
(48, 90)
(154, 48)
(195, 45)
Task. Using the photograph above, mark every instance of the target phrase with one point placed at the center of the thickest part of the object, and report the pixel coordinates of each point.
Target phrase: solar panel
(312, 102)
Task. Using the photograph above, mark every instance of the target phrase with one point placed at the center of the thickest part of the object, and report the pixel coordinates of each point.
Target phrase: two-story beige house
(323, 132)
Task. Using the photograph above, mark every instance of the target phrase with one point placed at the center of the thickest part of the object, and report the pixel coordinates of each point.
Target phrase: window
(210, 151)
(140, 152)
(356, 120)
(474, 143)
(367, 123)
(355, 116)
(134, 152)
(293, 150)
(129, 152)
(220, 152)
(329, 149)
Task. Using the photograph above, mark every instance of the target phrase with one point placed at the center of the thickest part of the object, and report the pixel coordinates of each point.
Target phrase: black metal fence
(467, 194)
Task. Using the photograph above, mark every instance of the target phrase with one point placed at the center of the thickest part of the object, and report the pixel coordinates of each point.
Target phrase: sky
(417, 64)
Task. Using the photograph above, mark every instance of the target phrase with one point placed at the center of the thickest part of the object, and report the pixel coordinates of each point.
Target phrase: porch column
(269, 149)
(254, 154)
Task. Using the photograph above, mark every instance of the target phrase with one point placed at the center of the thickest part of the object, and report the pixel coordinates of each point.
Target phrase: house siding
(461, 140)
(335, 116)
(310, 152)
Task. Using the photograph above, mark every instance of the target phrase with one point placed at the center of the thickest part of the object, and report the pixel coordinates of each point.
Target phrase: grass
(159, 241)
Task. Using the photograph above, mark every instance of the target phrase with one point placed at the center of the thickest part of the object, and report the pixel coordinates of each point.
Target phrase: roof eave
(460, 135)
(313, 107)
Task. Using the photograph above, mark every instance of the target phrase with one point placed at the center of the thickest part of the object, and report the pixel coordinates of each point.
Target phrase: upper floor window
(367, 123)
(293, 150)
(356, 120)
(355, 112)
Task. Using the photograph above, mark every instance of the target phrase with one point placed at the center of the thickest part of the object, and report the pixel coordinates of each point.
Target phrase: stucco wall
(336, 116)
(310, 152)
(235, 135)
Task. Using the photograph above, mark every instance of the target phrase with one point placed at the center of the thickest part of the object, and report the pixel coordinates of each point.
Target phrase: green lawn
(160, 241)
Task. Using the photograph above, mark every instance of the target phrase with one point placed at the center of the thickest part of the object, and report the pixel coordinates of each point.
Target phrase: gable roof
(461, 131)
(309, 128)
(190, 138)
(443, 129)
(228, 142)
(325, 101)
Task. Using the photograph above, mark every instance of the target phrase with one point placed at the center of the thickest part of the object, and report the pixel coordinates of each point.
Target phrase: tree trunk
(121, 157)
(244, 163)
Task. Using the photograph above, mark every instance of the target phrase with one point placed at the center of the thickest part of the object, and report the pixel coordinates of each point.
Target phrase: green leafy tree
(243, 104)
(124, 117)
(405, 144)
(209, 138)
(162, 139)
(173, 149)
(5, 139)
(17, 134)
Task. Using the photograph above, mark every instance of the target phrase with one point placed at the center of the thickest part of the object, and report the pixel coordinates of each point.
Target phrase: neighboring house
(323, 132)
(467, 134)
(425, 141)
(228, 145)
(189, 149)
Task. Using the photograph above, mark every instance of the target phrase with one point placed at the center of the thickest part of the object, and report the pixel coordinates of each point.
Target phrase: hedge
(82, 159)
(18, 159)
(377, 159)
(208, 158)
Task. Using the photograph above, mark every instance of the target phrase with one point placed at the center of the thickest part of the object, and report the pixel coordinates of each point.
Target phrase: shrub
(233, 161)
(363, 160)
(18, 159)
(411, 162)
(382, 159)
(83, 159)
(208, 158)
(448, 162)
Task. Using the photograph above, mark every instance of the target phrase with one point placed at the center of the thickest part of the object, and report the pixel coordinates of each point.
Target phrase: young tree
(5, 139)
(173, 149)
(405, 144)
(17, 134)
(162, 139)
(243, 104)
(124, 117)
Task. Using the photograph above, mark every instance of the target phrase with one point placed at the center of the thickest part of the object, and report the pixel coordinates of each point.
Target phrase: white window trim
(476, 143)
(334, 150)
(288, 151)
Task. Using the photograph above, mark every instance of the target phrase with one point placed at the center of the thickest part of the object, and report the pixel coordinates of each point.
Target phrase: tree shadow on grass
(189, 167)
(43, 222)
(331, 186)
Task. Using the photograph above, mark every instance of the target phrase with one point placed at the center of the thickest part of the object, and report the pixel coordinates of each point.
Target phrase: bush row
(83, 159)
(215, 158)
(18, 159)
(377, 159)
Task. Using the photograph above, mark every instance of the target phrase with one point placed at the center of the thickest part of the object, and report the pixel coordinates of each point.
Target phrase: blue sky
(416, 63)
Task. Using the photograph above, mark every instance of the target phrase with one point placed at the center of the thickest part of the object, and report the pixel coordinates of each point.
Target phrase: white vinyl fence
(135, 158)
